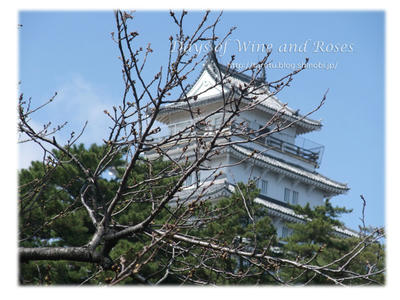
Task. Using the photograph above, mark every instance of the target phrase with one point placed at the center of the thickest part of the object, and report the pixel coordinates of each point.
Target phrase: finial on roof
(211, 55)
(263, 74)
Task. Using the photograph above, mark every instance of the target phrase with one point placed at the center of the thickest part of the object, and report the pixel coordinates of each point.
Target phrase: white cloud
(80, 101)
(77, 101)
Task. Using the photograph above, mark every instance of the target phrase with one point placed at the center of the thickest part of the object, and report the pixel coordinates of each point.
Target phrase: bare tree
(135, 134)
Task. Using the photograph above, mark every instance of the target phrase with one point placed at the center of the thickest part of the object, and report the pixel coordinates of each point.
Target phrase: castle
(283, 163)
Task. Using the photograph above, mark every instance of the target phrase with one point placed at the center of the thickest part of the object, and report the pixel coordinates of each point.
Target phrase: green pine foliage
(317, 242)
(51, 215)
(237, 227)
(45, 191)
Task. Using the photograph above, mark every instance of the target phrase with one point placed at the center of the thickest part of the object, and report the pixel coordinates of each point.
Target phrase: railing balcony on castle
(313, 153)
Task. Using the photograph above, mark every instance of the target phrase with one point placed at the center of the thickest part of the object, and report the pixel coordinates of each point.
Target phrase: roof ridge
(212, 60)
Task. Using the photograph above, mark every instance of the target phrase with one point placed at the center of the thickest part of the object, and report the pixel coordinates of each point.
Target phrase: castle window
(291, 197)
(262, 131)
(295, 199)
(285, 232)
(264, 187)
(287, 195)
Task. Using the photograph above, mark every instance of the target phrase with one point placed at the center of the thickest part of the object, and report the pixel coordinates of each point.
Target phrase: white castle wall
(276, 183)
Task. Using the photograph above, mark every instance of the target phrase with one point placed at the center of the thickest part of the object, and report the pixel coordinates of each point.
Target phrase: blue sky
(72, 53)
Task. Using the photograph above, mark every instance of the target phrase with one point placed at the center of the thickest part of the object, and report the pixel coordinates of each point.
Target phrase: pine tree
(317, 241)
(236, 222)
(42, 224)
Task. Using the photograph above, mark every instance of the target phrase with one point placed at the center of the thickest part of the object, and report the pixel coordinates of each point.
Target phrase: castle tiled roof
(292, 216)
(293, 171)
(221, 188)
(267, 102)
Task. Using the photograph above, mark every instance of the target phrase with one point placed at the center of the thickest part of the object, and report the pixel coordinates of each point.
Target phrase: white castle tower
(283, 164)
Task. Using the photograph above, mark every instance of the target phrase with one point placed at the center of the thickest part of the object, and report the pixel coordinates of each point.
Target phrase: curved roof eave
(304, 124)
(316, 179)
